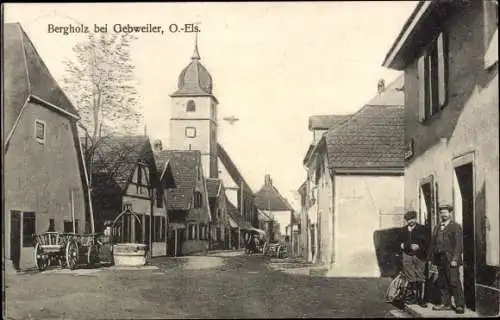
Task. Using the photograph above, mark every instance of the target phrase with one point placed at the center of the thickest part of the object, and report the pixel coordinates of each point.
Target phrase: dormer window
(191, 106)
(40, 131)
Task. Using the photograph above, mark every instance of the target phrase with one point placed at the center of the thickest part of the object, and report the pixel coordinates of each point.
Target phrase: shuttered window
(29, 228)
(432, 68)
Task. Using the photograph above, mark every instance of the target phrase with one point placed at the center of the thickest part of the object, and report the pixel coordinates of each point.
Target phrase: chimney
(267, 180)
(381, 86)
(157, 146)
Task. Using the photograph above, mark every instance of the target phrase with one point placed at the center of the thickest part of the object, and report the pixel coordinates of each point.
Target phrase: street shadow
(387, 250)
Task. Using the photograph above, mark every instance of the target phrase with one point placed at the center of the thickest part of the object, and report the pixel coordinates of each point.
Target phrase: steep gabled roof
(269, 198)
(263, 216)
(27, 77)
(372, 138)
(231, 168)
(325, 122)
(184, 168)
(115, 158)
(164, 170)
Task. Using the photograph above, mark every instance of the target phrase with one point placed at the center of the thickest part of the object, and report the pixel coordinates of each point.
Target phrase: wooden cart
(57, 247)
(276, 250)
(96, 249)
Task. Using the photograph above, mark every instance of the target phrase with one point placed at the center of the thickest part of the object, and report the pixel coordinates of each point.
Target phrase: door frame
(458, 161)
(431, 180)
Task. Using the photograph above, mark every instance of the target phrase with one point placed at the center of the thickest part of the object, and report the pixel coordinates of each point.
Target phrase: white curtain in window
(421, 86)
(441, 70)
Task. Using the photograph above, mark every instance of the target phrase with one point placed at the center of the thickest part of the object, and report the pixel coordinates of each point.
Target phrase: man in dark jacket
(445, 252)
(414, 243)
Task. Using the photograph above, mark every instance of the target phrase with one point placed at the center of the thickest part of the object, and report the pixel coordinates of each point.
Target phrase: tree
(101, 83)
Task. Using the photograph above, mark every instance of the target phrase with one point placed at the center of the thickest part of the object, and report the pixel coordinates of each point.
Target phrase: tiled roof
(231, 167)
(184, 168)
(269, 198)
(372, 138)
(325, 122)
(213, 187)
(26, 74)
(115, 158)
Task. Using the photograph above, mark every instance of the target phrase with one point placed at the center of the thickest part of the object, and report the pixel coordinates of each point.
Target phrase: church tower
(193, 120)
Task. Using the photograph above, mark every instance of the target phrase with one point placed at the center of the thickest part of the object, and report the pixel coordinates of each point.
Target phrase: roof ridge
(20, 28)
(57, 87)
(224, 152)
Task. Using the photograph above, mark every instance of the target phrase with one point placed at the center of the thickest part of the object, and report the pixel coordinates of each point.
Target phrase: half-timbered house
(125, 177)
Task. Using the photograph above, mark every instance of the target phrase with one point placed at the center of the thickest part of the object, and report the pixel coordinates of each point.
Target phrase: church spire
(196, 54)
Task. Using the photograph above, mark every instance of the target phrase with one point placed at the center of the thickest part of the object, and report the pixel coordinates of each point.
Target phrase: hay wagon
(69, 250)
(61, 248)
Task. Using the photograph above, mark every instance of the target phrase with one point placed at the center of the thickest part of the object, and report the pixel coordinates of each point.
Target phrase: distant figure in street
(251, 247)
(446, 253)
(107, 228)
(414, 243)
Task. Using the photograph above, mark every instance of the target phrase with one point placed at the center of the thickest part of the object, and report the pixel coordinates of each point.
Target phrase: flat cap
(446, 206)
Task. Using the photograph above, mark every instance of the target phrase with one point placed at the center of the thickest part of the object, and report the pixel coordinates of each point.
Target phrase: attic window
(40, 131)
(191, 106)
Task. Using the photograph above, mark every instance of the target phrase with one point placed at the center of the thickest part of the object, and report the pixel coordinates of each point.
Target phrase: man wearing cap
(446, 253)
(414, 243)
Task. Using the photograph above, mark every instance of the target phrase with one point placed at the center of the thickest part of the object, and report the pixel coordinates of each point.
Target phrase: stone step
(417, 311)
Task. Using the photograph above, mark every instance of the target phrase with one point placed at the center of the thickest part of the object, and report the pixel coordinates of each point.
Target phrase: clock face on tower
(190, 132)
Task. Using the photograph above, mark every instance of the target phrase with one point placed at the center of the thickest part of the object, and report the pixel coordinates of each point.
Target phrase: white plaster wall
(203, 107)
(325, 216)
(359, 202)
(476, 132)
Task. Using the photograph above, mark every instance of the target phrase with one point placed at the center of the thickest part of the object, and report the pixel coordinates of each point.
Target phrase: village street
(221, 285)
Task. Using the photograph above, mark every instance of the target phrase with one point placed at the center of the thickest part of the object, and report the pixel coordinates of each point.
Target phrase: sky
(273, 66)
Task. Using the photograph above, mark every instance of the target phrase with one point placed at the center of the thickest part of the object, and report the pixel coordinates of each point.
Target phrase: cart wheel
(92, 256)
(72, 255)
(41, 262)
